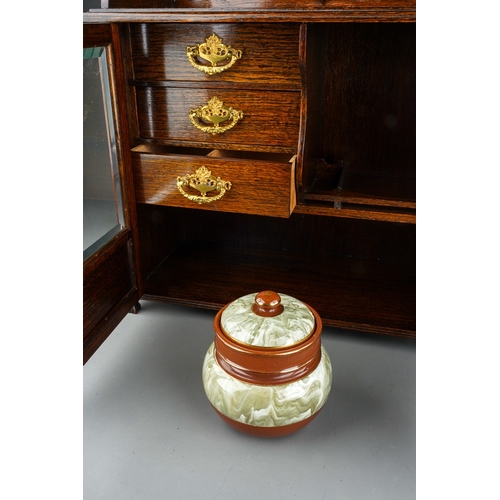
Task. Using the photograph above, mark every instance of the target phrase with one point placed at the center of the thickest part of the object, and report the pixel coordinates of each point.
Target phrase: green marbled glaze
(294, 324)
(267, 406)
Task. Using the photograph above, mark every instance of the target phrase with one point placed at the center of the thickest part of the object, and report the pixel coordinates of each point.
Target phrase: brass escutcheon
(216, 113)
(204, 182)
(215, 52)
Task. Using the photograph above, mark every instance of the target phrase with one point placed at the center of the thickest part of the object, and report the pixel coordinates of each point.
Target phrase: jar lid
(267, 319)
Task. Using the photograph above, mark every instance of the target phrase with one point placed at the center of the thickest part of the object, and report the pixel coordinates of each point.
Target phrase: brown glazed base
(267, 432)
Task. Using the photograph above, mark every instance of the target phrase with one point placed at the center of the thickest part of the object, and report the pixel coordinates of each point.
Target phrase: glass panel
(102, 199)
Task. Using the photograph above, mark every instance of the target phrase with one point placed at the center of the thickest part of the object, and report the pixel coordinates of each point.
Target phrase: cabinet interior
(348, 248)
(349, 270)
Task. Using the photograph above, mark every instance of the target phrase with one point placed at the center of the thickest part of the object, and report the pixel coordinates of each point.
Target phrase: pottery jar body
(267, 375)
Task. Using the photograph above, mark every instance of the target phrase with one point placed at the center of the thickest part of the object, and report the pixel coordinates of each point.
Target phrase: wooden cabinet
(308, 119)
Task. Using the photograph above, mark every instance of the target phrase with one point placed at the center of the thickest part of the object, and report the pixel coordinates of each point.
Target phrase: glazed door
(110, 280)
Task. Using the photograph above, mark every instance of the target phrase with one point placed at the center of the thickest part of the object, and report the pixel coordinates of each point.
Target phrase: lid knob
(267, 304)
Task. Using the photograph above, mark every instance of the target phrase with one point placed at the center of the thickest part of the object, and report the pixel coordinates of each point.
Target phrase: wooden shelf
(344, 291)
(366, 189)
(361, 212)
(369, 195)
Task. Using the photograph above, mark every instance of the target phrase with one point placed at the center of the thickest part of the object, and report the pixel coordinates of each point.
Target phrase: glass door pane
(102, 199)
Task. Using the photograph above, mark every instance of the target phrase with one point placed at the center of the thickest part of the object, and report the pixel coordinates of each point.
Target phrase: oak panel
(269, 55)
(270, 118)
(262, 187)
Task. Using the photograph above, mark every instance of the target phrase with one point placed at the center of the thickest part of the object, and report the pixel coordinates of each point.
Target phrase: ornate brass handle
(215, 52)
(215, 113)
(203, 181)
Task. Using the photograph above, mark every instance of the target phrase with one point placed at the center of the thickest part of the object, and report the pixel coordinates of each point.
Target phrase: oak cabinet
(271, 145)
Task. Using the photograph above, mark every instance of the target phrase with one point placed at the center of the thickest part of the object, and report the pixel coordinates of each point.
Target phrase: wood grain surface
(258, 186)
(270, 118)
(269, 54)
(260, 4)
(246, 11)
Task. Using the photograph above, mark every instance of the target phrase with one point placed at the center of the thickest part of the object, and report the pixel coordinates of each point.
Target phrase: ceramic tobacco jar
(267, 373)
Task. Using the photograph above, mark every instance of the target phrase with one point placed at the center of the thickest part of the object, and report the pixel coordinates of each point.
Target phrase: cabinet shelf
(344, 291)
(366, 193)
(361, 212)
(366, 189)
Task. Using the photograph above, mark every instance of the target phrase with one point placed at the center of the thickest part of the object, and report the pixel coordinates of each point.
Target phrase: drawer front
(269, 53)
(257, 187)
(269, 118)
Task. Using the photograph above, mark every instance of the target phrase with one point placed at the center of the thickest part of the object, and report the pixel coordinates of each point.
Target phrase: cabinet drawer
(260, 183)
(269, 53)
(269, 118)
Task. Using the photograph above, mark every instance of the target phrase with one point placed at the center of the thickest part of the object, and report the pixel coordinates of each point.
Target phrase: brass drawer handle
(215, 52)
(216, 113)
(203, 181)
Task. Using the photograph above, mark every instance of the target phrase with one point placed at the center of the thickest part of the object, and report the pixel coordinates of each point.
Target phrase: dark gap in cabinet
(367, 111)
(358, 273)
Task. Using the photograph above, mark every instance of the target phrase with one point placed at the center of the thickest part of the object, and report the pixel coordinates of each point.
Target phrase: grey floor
(150, 433)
